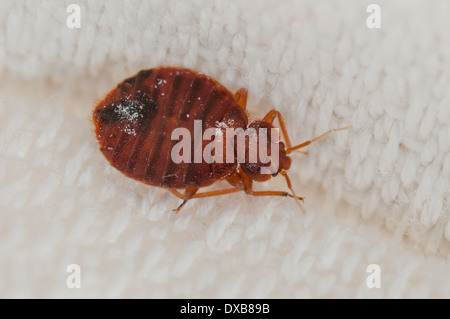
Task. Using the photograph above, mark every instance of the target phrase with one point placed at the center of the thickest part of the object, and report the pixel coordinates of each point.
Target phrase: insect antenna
(293, 148)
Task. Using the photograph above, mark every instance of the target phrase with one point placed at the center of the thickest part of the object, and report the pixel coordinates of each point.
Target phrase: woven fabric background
(375, 194)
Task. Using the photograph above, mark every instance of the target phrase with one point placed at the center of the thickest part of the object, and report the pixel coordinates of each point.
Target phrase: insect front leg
(270, 117)
(246, 184)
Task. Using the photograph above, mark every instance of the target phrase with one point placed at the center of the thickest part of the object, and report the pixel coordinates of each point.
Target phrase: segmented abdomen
(135, 121)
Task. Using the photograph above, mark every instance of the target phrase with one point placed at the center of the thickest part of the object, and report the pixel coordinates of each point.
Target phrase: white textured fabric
(376, 194)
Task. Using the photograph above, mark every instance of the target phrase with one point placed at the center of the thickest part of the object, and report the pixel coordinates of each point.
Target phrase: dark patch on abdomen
(107, 115)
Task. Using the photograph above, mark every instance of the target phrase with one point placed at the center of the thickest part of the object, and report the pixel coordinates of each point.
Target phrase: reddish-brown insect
(134, 123)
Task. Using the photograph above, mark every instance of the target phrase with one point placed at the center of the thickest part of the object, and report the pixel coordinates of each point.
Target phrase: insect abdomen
(135, 121)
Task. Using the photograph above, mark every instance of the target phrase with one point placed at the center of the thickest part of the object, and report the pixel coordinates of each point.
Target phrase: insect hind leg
(188, 194)
(192, 193)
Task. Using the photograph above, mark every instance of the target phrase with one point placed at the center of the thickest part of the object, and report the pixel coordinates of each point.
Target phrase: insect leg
(289, 184)
(248, 188)
(188, 194)
(271, 193)
(242, 182)
(218, 192)
(270, 117)
(241, 97)
(176, 193)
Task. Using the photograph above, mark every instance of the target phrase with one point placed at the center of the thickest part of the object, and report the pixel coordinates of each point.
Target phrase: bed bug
(133, 126)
